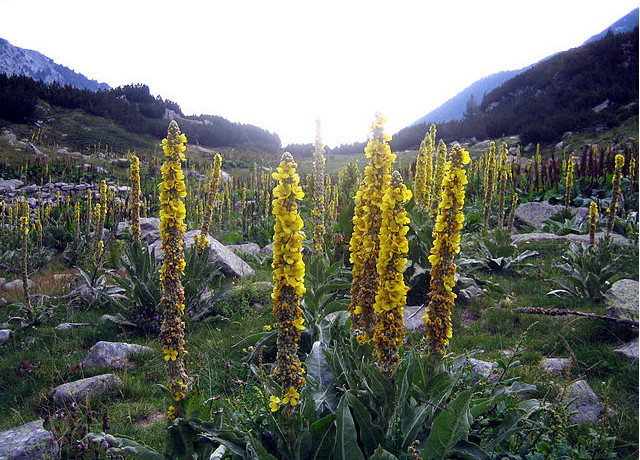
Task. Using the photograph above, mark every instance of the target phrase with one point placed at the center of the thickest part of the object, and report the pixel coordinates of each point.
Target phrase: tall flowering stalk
(288, 279)
(365, 241)
(445, 246)
(615, 192)
(318, 190)
(512, 214)
(438, 175)
(100, 216)
(135, 198)
(172, 229)
(593, 221)
(569, 182)
(392, 292)
(503, 175)
(489, 178)
(202, 240)
(24, 235)
(424, 170)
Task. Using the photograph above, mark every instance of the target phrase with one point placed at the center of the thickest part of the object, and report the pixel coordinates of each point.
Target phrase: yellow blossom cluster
(438, 175)
(24, 231)
(569, 182)
(503, 175)
(489, 183)
(615, 192)
(445, 246)
(424, 169)
(135, 198)
(202, 240)
(288, 276)
(392, 292)
(365, 240)
(593, 221)
(318, 190)
(172, 229)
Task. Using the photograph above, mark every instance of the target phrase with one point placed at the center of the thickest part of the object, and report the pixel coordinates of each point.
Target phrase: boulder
(67, 326)
(628, 350)
(34, 149)
(480, 367)
(555, 365)
(249, 249)
(582, 403)
(9, 185)
(28, 442)
(621, 300)
(85, 390)
(535, 213)
(5, 335)
(113, 355)
(229, 263)
(16, 285)
(267, 251)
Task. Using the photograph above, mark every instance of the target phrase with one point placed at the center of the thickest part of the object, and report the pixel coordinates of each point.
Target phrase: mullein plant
(489, 178)
(593, 221)
(503, 175)
(135, 198)
(318, 190)
(365, 239)
(438, 175)
(424, 170)
(172, 230)
(392, 292)
(202, 240)
(569, 182)
(615, 193)
(24, 235)
(288, 280)
(445, 246)
(512, 214)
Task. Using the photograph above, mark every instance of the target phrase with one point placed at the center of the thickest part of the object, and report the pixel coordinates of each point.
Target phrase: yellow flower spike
(172, 228)
(445, 246)
(364, 244)
(135, 198)
(291, 397)
(615, 193)
(438, 177)
(274, 403)
(318, 191)
(288, 273)
(569, 182)
(593, 221)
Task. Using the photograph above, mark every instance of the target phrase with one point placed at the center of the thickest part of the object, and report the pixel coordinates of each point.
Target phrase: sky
(281, 64)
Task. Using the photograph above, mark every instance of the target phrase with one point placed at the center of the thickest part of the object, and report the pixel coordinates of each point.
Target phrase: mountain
(622, 25)
(455, 108)
(20, 61)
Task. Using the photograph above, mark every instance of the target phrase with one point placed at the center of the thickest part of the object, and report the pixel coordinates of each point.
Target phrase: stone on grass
(85, 390)
(249, 249)
(555, 365)
(628, 350)
(480, 367)
(28, 442)
(582, 403)
(113, 355)
(5, 335)
(16, 285)
(10, 185)
(267, 251)
(535, 213)
(67, 326)
(621, 300)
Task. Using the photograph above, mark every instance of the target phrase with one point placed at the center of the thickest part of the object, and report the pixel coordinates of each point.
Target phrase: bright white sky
(279, 64)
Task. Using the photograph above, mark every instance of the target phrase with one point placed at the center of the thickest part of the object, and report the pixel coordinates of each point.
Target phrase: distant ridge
(20, 61)
(623, 25)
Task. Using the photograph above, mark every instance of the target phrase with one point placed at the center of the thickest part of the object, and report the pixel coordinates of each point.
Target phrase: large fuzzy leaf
(346, 447)
(450, 426)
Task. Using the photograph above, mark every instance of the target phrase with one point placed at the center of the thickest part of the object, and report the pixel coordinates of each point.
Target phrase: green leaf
(370, 434)
(346, 447)
(450, 426)
(469, 451)
(257, 450)
(323, 438)
(381, 454)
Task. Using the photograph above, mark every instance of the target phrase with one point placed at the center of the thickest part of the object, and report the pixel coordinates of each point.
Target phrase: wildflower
(172, 413)
(367, 219)
(593, 221)
(503, 173)
(512, 213)
(24, 232)
(445, 246)
(202, 240)
(274, 403)
(135, 198)
(318, 190)
(615, 192)
(288, 272)
(267, 327)
(438, 175)
(489, 177)
(291, 397)
(172, 228)
(569, 182)
(392, 292)
(424, 169)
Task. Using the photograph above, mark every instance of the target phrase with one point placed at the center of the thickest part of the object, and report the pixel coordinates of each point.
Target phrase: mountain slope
(623, 25)
(20, 61)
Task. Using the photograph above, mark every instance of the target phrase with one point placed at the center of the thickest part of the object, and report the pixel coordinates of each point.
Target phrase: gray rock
(621, 300)
(267, 251)
(628, 350)
(250, 249)
(9, 185)
(5, 335)
(85, 390)
(3, 281)
(229, 263)
(539, 236)
(480, 367)
(113, 355)
(27, 189)
(555, 365)
(149, 229)
(413, 318)
(67, 326)
(534, 213)
(28, 442)
(583, 402)
(16, 285)
(34, 149)
(468, 289)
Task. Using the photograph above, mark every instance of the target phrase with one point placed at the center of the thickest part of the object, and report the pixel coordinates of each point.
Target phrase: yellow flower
(274, 403)
(298, 323)
(170, 354)
(291, 397)
(172, 413)
(267, 327)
